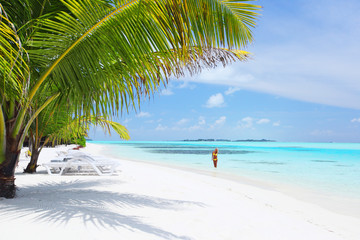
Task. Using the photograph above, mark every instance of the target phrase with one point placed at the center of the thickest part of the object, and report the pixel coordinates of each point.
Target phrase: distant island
(255, 140)
(227, 140)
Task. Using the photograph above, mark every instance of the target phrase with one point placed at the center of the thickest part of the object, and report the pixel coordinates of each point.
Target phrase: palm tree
(56, 125)
(104, 56)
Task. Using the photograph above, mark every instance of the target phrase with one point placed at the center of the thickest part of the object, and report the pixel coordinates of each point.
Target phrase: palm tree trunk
(31, 167)
(7, 168)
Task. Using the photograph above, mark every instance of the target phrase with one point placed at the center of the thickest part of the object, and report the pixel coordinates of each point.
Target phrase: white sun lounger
(80, 164)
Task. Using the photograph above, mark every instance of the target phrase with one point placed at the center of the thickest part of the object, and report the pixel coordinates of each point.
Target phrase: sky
(302, 84)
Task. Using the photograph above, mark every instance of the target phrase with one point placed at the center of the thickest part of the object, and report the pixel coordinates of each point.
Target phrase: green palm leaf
(14, 69)
(78, 127)
(126, 52)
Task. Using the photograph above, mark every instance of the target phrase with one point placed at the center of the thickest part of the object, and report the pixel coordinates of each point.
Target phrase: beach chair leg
(97, 170)
(48, 170)
(112, 169)
(62, 170)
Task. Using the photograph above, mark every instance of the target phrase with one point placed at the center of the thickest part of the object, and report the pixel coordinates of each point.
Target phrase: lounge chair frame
(80, 165)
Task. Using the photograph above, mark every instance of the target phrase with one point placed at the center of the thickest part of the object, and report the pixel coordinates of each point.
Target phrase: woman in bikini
(215, 157)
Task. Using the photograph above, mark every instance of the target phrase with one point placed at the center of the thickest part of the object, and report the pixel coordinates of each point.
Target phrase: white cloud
(176, 84)
(355, 120)
(195, 127)
(143, 114)
(127, 120)
(216, 100)
(160, 127)
(182, 121)
(220, 121)
(201, 121)
(246, 122)
(263, 121)
(167, 92)
(232, 90)
(186, 84)
(249, 122)
(318, 132)
(276, 124)
(223, 76)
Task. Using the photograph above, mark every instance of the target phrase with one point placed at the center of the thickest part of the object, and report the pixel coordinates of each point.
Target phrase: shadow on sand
(58, 203)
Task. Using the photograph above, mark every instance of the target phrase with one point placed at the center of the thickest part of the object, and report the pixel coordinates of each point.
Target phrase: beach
(150, 201)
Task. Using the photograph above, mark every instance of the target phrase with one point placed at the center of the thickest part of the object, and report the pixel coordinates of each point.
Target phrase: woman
(214, 157)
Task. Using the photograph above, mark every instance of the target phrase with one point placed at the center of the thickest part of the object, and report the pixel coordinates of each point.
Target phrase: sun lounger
(80, 163)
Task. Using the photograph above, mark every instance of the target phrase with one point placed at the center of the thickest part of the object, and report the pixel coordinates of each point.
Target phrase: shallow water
(325, 167)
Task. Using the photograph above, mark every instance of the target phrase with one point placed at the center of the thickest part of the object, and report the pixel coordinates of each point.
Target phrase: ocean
(320, 167)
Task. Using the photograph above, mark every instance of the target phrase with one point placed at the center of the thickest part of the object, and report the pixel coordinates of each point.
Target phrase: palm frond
(78, 127)
(105, 54)
(2, 135)
(108, 124)
(14, 69)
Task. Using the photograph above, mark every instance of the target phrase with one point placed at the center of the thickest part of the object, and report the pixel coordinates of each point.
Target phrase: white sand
(145, 201)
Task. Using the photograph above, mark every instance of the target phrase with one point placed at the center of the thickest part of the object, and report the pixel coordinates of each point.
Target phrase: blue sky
(302, 84)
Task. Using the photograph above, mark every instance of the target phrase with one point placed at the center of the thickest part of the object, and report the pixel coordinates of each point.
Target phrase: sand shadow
(58, 203)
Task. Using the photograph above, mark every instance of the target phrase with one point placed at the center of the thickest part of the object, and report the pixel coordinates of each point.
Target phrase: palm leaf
(78, 127)
(14, 69)
(103, 51)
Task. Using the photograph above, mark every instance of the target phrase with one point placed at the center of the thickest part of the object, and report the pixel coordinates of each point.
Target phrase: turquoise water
(326, 167)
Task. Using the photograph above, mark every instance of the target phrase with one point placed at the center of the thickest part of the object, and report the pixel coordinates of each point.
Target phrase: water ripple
(324, 161)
